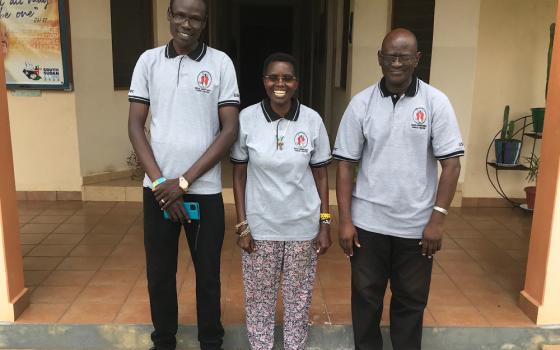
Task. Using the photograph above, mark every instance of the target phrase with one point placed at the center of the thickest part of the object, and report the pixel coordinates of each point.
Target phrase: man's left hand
(431, 239)
(167, 192)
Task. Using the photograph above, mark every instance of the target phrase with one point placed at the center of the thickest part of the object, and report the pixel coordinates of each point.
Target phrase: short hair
(171, 2)
(281, 57)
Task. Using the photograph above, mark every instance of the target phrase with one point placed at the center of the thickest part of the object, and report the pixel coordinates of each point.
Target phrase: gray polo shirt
(397, 142)
(184, 93)
(281, 198)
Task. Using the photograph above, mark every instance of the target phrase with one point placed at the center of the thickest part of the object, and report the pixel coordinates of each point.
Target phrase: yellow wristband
(325, 216)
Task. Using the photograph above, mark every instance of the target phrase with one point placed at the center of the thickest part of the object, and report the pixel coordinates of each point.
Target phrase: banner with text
(33, 43)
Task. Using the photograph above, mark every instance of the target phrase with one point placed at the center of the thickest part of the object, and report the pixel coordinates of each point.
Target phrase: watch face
(183, 183)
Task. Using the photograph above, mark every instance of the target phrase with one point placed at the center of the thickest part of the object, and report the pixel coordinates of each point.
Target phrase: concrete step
(331, 337)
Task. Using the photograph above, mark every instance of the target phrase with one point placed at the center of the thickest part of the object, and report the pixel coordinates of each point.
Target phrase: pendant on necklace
(280, 144)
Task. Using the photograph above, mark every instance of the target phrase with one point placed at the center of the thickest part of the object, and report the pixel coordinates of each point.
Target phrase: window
(418, 17)
(132, 34)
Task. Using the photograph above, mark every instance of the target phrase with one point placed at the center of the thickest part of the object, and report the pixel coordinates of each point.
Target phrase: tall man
(192, 92)
(391, 220)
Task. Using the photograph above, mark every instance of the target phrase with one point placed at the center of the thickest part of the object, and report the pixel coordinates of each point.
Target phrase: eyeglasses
(276, 78)
(390, 59)
(181, 18)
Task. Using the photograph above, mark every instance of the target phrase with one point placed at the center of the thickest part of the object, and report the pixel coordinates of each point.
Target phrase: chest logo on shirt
(204, 80)
(301, 140)
(420, 118)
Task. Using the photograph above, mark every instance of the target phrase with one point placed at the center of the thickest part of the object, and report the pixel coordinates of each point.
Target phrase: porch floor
(84, 264)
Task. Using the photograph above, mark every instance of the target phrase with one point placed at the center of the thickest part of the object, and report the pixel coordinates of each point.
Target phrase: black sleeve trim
(337, 157)
(228, 103)
(321, 164)
(238, 161)
(139, 100)
(451, 155)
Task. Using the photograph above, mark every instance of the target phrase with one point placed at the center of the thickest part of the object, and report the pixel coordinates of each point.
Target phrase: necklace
(280, 140)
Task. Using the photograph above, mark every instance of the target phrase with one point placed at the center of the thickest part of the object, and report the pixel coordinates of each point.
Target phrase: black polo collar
(411, 90)
(196, 55)
(272, 116)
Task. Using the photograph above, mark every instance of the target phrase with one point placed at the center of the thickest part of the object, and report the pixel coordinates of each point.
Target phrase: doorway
(250, 30)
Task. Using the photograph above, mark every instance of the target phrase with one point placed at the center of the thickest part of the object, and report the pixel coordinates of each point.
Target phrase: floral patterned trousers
(261, 278)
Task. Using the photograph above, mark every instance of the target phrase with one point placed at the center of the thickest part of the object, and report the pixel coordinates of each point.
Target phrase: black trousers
(161, 238)
(382, 258)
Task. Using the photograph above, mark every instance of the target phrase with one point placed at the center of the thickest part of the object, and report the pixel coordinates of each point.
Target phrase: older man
(391, 219)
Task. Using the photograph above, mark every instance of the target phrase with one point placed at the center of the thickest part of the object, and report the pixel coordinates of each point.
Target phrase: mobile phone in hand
(192, 209)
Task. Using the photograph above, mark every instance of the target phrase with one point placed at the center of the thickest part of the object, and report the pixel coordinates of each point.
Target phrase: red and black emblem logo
(204, 79)
(301, 140)
(420, 116)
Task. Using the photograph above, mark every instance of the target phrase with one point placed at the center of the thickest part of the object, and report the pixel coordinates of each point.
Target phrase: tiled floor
(84, 263)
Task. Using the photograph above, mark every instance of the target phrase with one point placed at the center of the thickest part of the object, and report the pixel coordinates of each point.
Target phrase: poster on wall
(35, 44)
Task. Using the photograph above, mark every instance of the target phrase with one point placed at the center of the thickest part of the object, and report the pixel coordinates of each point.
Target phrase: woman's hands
(323, 240)
(247, 243)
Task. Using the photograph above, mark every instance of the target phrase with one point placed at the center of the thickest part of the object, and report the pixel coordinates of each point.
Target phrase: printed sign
(34, 44)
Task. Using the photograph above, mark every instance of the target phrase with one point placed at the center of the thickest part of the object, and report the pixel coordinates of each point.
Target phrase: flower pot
(507, 151)
(530, 192)
(538, 118)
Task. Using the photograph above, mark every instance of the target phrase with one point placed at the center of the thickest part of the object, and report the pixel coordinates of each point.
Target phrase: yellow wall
(102, 112)
(371, 22)
(455, 45)
(61, 136)
(161, 24)
(494, 50)
(510, 69)
(45, 142)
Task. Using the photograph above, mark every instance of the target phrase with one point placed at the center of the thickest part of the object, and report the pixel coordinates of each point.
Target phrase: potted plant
(531, 191)
(538, 112)
(506, 147)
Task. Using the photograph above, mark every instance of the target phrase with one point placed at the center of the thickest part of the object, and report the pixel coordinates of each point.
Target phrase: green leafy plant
(533, 162)
(507, 126)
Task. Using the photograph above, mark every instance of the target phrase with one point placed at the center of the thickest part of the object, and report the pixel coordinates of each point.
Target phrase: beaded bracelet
(245, 232)
(325, 216)
(244, 222)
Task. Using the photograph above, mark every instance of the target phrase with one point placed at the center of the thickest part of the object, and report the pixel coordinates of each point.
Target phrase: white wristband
(441, 210)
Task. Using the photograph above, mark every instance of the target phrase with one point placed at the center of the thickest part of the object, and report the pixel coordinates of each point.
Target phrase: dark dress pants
(161, 238)
(382, 258)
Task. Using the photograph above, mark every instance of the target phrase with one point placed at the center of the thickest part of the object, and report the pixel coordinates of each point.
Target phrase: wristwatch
(184, 184)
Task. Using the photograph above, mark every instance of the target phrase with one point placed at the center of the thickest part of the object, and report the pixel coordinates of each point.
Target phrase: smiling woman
(281, 197)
